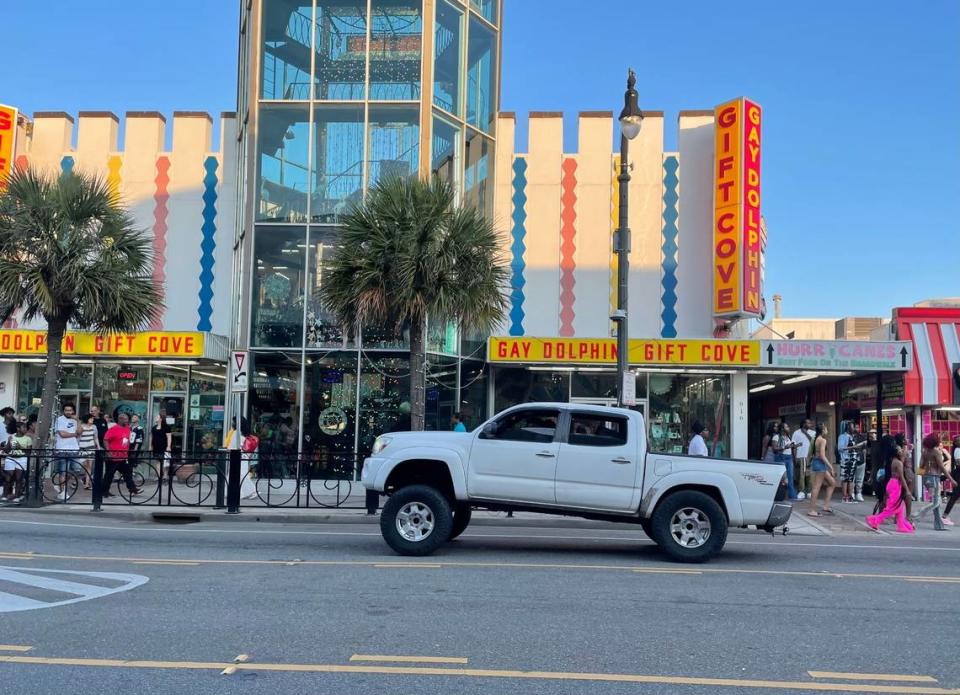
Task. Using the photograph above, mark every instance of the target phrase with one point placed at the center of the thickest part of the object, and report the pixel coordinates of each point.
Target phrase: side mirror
(489, 429)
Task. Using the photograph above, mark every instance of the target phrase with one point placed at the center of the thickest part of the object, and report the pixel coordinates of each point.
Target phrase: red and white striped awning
(935, 333)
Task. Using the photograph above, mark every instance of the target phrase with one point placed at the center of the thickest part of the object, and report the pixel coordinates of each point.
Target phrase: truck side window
(597, 430)
(527, 426)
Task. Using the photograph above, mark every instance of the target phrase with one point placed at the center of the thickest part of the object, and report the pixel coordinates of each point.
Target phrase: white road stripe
(41, 582)
(13, 602)
(10, 602)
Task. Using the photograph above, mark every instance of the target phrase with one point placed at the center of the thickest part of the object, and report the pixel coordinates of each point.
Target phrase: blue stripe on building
(208, 244)
(668, 281)
(517, 232)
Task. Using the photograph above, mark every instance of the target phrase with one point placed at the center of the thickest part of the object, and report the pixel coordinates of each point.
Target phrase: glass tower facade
(334, 95)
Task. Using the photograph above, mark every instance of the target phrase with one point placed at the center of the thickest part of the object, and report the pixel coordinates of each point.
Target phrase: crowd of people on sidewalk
(891, 474)
(74, 445)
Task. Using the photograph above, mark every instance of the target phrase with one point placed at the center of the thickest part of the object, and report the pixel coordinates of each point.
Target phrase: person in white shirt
(803, 438)
(67, 445)
(698, 442)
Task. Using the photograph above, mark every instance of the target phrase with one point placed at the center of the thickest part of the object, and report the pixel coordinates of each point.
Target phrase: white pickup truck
(569, 459)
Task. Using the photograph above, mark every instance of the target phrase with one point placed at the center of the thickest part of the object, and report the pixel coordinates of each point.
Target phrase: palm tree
(69, 253)
(408, 252)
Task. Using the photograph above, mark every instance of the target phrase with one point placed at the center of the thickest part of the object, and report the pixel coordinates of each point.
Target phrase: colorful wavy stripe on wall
(208, 244)
(614, 221)
(66, 166)
(668, 281)
(517, 232)
(113, 175)
(160, 199)
(22, 162)
(568, 233)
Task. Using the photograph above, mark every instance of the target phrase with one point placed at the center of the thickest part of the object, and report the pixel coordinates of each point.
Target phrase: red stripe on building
(944, 391)
(160, 198)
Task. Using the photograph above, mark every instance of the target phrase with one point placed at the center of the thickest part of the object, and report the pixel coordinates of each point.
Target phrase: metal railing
(219, 479)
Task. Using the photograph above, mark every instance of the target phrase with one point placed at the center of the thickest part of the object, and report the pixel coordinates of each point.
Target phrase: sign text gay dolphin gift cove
(736, 210)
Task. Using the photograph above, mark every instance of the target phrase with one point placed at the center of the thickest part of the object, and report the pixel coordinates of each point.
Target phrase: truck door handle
(546, 454)
(621, 460)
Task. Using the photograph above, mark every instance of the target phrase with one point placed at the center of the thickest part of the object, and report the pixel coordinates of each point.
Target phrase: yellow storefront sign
(728, 353)
(8, 141)
(148, 344)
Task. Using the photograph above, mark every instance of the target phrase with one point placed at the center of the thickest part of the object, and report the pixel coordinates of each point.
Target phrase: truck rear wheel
(689, 526)
(461, 518)
(416, 520)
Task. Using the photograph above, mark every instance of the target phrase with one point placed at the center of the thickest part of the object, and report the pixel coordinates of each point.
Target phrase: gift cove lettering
(149, 344)
(604, 351)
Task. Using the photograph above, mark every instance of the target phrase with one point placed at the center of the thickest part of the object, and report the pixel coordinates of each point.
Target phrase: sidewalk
(799, 524)
(853, 515)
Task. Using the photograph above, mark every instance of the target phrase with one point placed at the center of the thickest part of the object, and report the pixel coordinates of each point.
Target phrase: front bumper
(370, 471)
(779, 515)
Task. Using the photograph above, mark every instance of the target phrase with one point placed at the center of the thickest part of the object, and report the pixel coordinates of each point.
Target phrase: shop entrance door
(172, 405)
(79, 399)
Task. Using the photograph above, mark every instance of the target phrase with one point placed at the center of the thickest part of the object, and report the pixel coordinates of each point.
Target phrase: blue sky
(861, 168)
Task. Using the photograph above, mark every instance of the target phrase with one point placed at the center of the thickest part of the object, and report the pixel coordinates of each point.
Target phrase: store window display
(677, 401)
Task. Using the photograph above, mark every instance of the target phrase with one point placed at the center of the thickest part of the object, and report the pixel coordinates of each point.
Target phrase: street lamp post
(631, 119)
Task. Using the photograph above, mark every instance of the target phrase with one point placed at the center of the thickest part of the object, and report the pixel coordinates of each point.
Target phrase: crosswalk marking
(77, 586)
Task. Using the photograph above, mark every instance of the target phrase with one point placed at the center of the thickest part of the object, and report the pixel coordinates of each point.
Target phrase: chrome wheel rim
(415, 521)
(690, 527)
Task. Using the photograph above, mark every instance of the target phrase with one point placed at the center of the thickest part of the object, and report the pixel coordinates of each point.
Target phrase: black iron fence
(218, 479)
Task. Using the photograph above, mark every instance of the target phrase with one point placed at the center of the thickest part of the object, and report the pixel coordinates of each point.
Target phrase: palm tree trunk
(418, 374)
(56, 329)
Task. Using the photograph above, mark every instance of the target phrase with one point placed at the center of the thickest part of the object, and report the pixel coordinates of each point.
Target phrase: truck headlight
(380, 444)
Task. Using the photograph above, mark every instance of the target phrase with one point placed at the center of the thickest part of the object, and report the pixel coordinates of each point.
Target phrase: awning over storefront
(935, 334)
(167, 345)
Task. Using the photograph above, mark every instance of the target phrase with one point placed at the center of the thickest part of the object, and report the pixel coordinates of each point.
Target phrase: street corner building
(335, 95)
(180, 187)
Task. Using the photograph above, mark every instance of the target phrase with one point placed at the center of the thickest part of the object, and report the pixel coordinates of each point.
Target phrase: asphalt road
(329, 609)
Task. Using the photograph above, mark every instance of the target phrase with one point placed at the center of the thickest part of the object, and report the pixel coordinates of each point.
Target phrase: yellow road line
(872, 677)
(501, 565)
(411, 659)
(489, 673)
(14, 648)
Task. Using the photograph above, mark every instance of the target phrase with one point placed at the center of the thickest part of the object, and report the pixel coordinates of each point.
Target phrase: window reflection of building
(278, 286)
(677, 400)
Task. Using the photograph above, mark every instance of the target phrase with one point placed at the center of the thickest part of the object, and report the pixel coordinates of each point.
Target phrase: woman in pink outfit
(895, 490)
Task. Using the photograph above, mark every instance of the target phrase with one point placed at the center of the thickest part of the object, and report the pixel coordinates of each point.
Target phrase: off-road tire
(461, 519)
(437, 512)
(669, 538)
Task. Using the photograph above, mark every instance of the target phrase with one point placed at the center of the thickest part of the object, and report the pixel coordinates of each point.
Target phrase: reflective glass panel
(676, 401)
(115, 395)
(287, 31)
(478, 173)
(441, 401)
(278, 282)
(514, 385)
(341, 48)
(481, 76)
(384, 397)
(283, 149)
(442, 337)
(207, 394)
(473, 392)
(393, 142)
(447, 40)
(395, 46)
(486, 8)
(445, 158)
(274, 398)
(337, 161)
(329, 414)
(323, 330)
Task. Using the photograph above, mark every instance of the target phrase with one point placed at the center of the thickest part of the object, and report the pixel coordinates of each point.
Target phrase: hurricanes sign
(736, 204)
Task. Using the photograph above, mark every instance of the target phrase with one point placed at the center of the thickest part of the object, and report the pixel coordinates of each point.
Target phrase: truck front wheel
(416, 520)
(689, 526)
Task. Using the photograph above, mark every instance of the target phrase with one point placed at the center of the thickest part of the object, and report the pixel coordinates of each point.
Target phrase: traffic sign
(240, 368)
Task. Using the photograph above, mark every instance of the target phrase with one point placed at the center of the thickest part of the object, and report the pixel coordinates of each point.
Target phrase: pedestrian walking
(823, 472)
(101, 423)
(905, 454)
(89, 443)
(893, 494)
(787, 448)
(117, 441)
(860, 444)
(17, 449)
(770, 438)
(457, 422)
(137, 437)
(803, 438)
(161, 442)
(931, 469)
(847, 448)
(67, 450)
(247, 443)
(955, 474)
(698, 442)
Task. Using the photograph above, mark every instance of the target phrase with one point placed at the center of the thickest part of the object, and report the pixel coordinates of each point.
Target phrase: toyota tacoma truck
(567, 459)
